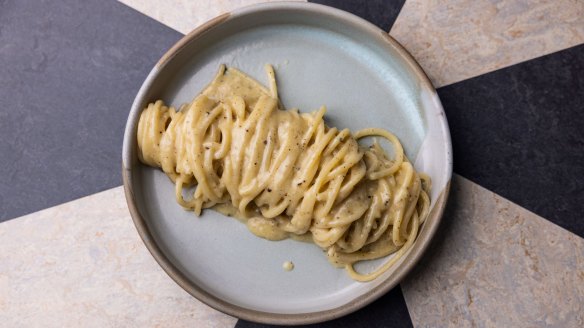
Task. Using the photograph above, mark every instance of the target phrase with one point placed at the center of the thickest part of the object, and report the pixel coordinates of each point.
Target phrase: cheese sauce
(285, 173)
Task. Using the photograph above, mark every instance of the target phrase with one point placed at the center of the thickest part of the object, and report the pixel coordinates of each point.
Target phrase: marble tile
(68, 76)
(185, 15)
(457, 39)
(82, 264)
(495, 264)
(518, 132)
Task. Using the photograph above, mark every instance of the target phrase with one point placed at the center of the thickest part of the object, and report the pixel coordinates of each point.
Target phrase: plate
(322, 56)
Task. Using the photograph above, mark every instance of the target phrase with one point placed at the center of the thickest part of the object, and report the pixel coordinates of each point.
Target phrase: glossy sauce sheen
(285, 173)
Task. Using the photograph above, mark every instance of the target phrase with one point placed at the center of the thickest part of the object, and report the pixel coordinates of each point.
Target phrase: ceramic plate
(321, 56)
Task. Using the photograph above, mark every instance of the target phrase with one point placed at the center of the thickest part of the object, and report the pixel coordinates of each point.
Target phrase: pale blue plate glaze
(322, 56)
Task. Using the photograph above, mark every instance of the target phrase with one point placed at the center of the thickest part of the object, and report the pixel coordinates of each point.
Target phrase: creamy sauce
(285, 174)
(229, 210)
(288, 266)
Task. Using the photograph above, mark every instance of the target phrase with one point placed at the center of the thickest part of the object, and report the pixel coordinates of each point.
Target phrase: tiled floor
(509, 253)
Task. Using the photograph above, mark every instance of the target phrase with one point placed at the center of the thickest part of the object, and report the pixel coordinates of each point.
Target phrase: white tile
(185, 15)
(82, 264)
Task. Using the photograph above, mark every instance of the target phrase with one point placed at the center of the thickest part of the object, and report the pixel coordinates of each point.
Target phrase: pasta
(285, 173)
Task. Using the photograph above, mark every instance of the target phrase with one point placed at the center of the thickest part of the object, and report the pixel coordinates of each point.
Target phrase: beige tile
(185, 15)
(82, 264)
(495, 264)
(458, 39)
(492, 264)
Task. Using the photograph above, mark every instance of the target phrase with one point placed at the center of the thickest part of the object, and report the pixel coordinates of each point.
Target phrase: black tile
(389, 311)
(379, 12)
(519, 132)
(69, 71)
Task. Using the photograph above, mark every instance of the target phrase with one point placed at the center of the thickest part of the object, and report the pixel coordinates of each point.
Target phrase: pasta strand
(287, 174)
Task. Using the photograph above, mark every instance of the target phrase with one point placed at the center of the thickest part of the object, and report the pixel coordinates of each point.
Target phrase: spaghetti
(285, 173)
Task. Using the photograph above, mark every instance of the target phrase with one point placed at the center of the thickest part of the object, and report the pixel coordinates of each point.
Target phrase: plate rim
(412, 258)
